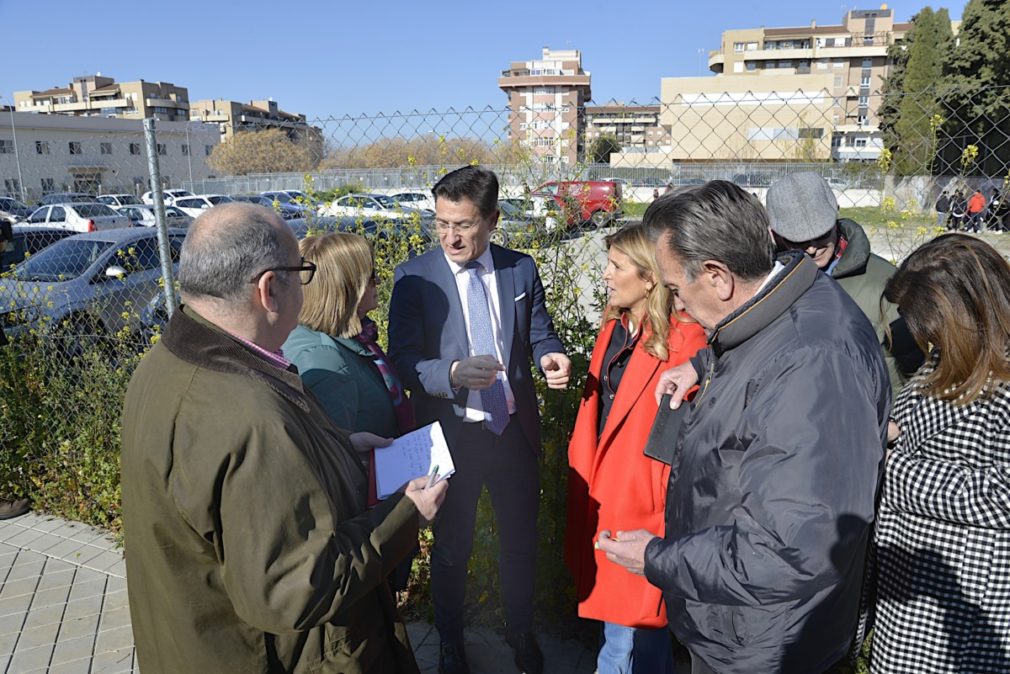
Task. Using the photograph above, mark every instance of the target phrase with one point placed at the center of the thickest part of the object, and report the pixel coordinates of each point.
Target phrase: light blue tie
(492, 399)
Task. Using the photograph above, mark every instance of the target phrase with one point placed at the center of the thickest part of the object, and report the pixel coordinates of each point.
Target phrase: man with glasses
(251, 547)
(804, 216)
(464, 320)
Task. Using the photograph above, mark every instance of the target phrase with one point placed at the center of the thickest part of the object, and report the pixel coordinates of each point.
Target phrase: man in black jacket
(772, 483)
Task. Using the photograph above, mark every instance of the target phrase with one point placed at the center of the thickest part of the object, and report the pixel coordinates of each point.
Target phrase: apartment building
(233, 116)
(98, 96)
(634, 126)
(546, 99)
(806, 93)
(40, 154)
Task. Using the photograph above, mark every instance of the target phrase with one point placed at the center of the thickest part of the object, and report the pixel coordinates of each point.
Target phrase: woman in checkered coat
(943, 528)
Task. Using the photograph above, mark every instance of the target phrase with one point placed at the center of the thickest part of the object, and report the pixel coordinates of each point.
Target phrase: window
(11, 186)
(860, 142)
(57, 214)
(140, 255)
(207, 149)
(810, 132)
(864, 81)
(48, 185)
(751, 66)
(864, 101)
(185, 149)
(162, 149)
(75, 147)
(6, 147)
(867, 64)
(42, 147)
(106, 148)
(134, 148)
(862, 120)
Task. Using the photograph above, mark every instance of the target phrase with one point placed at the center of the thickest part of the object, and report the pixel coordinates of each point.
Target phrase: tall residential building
(546, 101)
(98, 96)
(808, 93)
(233, 116)
(634, 126)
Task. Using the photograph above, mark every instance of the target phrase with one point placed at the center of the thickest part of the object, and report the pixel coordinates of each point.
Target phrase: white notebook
(411, 455)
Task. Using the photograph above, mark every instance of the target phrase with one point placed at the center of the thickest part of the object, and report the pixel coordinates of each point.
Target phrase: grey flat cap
(801, 207)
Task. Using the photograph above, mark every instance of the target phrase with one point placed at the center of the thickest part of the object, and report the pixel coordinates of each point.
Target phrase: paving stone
(74, 667)
(74, 649)
(84, 555)
(83, 607)
(25, 568)
(104, 561)
(24, 537)
(116, 599)
(51, 597)
(16, 588)
(113, 661)
(63, 549)
(32, 658)
(47, 615)
(7, 642)
(53, 579)
(111, 619)
(74, 627)
(89, 588)
(38, 636)
(15, 605)
(12, 624)
(114, 640)
(48, 524)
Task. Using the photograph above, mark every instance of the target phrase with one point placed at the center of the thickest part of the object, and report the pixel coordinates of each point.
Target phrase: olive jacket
(249, 547)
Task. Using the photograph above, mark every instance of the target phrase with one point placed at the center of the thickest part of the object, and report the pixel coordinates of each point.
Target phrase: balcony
(852, 153)
(716, 59)
(166, 103)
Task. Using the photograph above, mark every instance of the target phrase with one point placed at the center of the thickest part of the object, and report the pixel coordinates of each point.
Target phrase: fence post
(164, 248)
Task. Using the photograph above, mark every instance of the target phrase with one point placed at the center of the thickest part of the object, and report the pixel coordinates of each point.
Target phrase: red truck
(581, 201)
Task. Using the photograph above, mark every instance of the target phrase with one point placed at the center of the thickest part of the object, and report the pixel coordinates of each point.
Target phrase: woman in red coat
(612, 484)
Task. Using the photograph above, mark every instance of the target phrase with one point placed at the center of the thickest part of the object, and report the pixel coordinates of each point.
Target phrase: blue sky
(350, 58)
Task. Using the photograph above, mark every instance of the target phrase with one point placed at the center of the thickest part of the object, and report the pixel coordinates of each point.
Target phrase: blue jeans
(635, 650)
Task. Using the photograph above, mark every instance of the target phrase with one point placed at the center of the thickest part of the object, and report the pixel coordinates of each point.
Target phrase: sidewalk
(64, 609)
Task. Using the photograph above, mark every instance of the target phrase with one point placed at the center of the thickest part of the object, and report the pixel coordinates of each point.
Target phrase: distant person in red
(612, 483)
(976, 205)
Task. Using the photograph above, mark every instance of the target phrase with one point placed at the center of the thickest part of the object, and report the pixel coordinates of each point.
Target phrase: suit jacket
(613, 485)
(427, 333)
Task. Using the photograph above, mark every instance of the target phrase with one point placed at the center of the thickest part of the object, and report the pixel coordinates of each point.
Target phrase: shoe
(452, 659)
(529, 659)
(11, 508)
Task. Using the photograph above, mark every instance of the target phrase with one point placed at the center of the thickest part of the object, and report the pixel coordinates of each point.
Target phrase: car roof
(125, 235)
(33, 229)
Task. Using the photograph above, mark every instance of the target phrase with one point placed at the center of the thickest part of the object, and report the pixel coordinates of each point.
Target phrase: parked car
(520, 204)
(418, 200)
(86, 217)
(515, 228)
(372, 206)
(167, 195)
(88, 284)
(118, 200)
(29, 240)
(197, 204)
(142, 215)
(286, 209)
(293, 198)
(580, 201)
(13, 209)
(67, 198)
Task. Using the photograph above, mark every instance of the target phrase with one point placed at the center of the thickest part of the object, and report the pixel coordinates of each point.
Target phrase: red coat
(613, 485)
(976, 204)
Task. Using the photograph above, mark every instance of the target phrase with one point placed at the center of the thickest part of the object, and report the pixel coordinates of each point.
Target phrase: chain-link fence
(79, 309)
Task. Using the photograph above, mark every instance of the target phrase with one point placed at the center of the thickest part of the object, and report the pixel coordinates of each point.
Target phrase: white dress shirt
(474, 408)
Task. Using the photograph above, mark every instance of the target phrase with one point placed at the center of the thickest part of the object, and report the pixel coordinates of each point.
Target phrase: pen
(431, 478)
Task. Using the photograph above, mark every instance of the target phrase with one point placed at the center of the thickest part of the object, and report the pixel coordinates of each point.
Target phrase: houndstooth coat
(943, 538)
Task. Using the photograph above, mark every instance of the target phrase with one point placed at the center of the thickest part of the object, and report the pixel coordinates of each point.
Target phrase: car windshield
(173, 212)
(94, 210)
(508, 210)
(63, 261)
(219, 200)
(384, 200)
(278, 196)
(128, 199)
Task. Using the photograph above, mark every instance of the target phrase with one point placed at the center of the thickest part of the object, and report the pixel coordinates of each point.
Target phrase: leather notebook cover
(665, 430)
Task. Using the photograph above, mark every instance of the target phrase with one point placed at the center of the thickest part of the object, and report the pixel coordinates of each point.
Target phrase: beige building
(547, 97)
(97, 96)
(232, 116)
(808, 93)
(634, 126)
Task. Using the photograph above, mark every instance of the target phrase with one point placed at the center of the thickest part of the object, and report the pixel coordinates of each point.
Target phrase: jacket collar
(770, 303)
(857, 252)
(199, 342)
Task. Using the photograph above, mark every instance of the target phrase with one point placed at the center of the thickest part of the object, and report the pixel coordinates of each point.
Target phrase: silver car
(93, 217)
(142, 215)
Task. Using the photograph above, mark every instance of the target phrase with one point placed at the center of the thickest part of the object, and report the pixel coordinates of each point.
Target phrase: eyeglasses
(458, 227)
(819, 243)
(306, 270)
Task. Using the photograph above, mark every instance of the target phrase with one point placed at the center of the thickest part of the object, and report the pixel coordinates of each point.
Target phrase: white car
(195, 205)
(168, 195)
(93, 217)
(142, 215)
(118, 200)
(418, 200)
(372, 206)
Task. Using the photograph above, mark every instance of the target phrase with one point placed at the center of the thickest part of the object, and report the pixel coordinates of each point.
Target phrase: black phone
(665, 430)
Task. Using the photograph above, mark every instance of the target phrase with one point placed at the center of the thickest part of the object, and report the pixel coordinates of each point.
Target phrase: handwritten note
(412, 455)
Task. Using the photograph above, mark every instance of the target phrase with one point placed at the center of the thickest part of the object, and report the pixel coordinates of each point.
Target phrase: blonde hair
(634, 242)
(344, 267)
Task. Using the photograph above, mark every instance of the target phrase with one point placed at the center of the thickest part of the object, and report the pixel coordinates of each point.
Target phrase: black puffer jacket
(772, 488)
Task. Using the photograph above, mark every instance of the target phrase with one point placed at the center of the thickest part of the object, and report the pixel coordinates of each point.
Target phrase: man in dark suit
(464, 320)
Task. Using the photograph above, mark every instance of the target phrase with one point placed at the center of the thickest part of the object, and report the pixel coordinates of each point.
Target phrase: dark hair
(954, 294)
(715, 221)
(477, 184)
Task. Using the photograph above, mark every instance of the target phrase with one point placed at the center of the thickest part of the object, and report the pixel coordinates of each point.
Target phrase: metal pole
(164, 248)
(17, 157)
(189, 156)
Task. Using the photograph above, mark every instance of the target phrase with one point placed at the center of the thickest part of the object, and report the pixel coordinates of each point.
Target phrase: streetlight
(17, 157)
(189, 156)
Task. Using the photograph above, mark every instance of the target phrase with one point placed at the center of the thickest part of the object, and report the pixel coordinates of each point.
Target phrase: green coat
(863, 275)
(342, 375)
(248, 544)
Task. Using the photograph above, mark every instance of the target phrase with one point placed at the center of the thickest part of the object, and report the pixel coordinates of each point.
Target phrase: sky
(338, 58)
